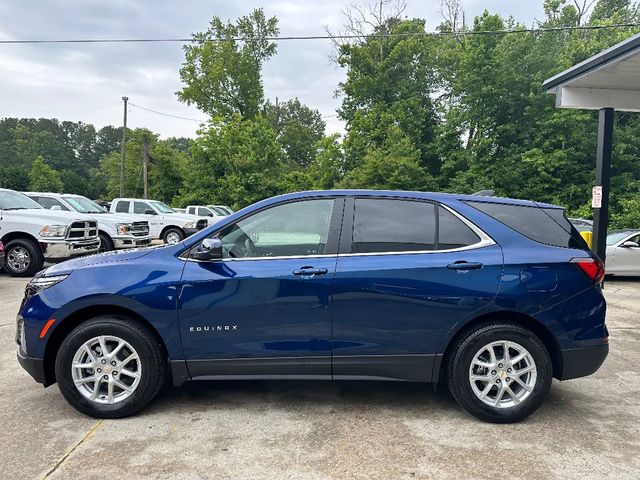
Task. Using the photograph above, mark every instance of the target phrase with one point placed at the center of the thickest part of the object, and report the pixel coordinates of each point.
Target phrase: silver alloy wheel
(106, 369)
(173, 238)
(503, 374)
(19, 259)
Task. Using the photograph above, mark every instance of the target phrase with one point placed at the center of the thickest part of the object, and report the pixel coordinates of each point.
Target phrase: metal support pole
(124, 142)
(603, 179)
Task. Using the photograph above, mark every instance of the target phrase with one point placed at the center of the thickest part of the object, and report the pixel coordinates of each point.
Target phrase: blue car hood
(99, 259)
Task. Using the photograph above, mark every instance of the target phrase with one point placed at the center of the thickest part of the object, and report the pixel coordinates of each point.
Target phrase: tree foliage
(456, 113)
(43, 178)
(222, 73)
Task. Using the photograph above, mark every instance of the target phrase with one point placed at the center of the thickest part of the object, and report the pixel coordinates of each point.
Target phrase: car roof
(624, 230)
(437, 196)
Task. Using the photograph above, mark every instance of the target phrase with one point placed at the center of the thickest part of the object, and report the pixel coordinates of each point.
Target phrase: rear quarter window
(543, 225)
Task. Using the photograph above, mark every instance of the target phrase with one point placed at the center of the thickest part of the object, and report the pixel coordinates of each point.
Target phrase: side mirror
(150, 212)
(630, 244)
(209, 214)
(55, 207)
(209, 249)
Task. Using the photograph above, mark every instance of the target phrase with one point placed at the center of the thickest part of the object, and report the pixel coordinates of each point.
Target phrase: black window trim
(347, 227)
(333, 239)
(473, 203)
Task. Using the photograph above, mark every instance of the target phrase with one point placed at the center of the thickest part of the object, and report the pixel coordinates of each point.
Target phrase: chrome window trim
(485, 241)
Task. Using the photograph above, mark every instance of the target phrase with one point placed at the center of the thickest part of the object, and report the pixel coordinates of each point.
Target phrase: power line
(324, 37)
(166, 114)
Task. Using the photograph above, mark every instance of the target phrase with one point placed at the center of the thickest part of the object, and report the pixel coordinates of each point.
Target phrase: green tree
(43, 178)
(166, 167)
(299, 128)
(235, 163)
(221, 74)
(394, 165)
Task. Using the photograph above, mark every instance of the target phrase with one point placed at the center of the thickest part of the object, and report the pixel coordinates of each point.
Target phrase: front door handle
(309, 271)
(462, 265)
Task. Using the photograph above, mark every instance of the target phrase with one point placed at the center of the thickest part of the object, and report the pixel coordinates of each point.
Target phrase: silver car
(623, 252)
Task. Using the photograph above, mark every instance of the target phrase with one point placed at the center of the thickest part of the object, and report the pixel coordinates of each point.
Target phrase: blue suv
(493, 296)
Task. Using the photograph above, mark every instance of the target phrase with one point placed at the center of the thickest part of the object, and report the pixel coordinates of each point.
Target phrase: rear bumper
(580, 362)
(68, 249)
(34, 367)
(190, 231)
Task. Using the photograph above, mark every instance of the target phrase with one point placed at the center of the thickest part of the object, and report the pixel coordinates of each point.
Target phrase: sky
(85, 82)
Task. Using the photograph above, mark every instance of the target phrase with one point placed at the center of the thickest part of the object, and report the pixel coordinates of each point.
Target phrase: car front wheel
(110, 367)
(173, 236)
(23, 258)
(500, 372)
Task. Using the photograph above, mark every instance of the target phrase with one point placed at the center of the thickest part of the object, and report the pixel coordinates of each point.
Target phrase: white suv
(164, 222)
(116, 231)
(32, 235)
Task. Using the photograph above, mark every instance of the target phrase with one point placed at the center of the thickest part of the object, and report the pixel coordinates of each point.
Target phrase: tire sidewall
(33, 249)
(146, 390)
(462, 361)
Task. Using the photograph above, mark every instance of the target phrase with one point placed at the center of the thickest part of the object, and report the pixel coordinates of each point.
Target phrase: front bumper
(130, 242)
(34, 367)
(580, 362)
(64, 249)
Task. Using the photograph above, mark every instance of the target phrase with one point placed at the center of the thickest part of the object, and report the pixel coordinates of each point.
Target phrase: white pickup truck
(210, 212)
(116, 230)
(164, 222)
(32, 234)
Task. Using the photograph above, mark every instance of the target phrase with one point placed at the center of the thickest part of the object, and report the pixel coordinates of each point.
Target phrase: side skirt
(407, 368)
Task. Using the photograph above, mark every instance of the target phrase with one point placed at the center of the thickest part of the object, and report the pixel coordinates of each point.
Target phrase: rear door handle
(309, 271)
(462, 265)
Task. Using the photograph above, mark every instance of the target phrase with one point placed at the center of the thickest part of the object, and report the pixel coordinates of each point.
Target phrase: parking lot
(319, 430)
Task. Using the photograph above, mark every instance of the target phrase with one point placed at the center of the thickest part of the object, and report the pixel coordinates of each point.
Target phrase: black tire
(32, 249)
(150, 352)
(170, 231)
(106, 244)
(459, 363)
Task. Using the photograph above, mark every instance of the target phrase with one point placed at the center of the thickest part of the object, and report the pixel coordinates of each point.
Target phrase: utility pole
(124, 142)
(145, 167)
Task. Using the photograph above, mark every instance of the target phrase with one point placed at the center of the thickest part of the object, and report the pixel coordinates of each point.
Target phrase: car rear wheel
(173, 236)
(500, 372)
(23, 258)
(110, 367)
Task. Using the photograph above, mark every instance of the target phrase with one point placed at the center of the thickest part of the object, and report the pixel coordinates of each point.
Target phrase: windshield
(162, 208)
(10, 200)
(84, 205)
(218, 210)
(221, 209)
(615, 237)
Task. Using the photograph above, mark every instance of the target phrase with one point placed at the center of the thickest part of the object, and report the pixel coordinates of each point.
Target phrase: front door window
(291, 229)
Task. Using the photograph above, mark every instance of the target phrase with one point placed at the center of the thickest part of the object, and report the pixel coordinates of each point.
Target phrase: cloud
(82, 82)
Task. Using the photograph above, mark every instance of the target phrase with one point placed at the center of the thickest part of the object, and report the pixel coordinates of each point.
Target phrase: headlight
(122, 228)
(38, 284)
(191, 224)
(53, 231)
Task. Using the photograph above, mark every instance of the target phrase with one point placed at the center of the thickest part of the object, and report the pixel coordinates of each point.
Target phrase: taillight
(591, 267)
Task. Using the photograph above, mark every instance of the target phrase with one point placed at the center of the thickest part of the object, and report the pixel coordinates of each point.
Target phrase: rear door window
(122, 207)
(543, 225)
(393, 225)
